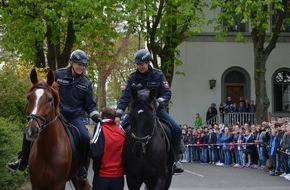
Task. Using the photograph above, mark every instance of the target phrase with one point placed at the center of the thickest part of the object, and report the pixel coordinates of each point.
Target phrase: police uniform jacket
(76, 94)
(152, 79)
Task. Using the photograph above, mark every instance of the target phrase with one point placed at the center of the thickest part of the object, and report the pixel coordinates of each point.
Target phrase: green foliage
(11, 140)
(14, 84)
(164, 26)
(27, 24)
(257, 13)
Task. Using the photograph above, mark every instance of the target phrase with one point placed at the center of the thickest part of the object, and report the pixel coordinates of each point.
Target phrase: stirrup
(174, 166)
(16, 165)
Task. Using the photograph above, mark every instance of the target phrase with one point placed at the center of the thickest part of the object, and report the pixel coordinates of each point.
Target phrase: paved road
(203, 177)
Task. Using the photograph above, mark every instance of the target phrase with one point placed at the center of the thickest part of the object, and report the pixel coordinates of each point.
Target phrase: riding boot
(82, 173)
(22, 159)
(175, 153)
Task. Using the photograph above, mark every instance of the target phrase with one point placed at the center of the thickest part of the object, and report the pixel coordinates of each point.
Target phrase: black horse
(146, 148)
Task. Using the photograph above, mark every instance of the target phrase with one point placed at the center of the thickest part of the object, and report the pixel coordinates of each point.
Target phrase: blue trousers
(262, 155)
(228, 157)
(85, 137)
(106, 183)
(80, 124)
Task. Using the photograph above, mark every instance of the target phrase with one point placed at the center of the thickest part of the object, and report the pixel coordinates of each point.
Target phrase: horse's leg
(156, 183)
(168, 180)
(81, 185)
(133, 182)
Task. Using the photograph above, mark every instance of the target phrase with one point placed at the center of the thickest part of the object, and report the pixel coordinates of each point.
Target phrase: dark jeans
(85, 137)
(228, 157)
(106, 183)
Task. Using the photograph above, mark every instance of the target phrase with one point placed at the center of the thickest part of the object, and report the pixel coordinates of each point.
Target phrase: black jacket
(152, 79)
(76, 94)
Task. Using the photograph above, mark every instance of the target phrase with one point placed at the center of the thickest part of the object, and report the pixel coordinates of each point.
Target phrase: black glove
(119, 113)
(96, 118)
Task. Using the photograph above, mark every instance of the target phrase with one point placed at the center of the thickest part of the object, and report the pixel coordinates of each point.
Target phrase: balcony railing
(232, 118)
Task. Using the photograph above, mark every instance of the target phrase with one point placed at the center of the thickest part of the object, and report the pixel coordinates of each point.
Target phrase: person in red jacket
(106, 152)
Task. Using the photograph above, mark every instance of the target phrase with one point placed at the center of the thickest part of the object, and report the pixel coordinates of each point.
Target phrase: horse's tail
(81, 185)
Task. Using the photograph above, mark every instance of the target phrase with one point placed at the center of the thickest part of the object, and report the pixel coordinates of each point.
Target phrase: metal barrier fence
(232, 118)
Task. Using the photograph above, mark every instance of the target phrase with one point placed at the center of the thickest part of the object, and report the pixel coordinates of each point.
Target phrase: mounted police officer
(147, 77)
(76, 97)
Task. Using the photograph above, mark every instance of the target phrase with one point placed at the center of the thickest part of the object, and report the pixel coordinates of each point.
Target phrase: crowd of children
(264, 146)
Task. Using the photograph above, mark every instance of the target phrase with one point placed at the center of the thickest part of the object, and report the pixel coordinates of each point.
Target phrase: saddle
(74, 136)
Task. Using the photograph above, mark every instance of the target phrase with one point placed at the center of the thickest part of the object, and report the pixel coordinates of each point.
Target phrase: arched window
(282, 91)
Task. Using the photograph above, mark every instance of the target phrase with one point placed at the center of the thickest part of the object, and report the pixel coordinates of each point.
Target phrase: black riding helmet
(142, 56)
(79, 56)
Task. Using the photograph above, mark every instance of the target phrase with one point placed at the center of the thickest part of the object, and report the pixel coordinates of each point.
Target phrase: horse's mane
(54, 90)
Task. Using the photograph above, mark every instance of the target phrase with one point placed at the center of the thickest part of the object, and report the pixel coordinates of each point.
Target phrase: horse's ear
(152, 94)
(50, 77)
(33, 76)
(134, 93)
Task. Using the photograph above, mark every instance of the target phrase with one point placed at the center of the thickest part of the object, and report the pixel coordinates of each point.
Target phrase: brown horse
(50, 162)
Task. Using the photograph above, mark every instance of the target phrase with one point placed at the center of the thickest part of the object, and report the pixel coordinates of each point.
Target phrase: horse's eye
(50, 99)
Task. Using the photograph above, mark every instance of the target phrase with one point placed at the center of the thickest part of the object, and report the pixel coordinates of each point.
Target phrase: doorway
(235, 83)
(235, 92)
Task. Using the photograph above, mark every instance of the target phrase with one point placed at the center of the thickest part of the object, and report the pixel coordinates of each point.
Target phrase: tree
(164, 24)
(257, 13)
(37, 30)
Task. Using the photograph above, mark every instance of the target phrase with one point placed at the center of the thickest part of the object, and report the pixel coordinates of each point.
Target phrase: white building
(231, 64)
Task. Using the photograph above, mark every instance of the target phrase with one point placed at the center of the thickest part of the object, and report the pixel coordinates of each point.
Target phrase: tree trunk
(101, 89)
(70, 39)
(50, 50)
(262, 100)
(40, 58)
(167, 66)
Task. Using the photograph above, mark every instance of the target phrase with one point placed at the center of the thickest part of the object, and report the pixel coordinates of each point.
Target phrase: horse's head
(42, 104)
(142, 117)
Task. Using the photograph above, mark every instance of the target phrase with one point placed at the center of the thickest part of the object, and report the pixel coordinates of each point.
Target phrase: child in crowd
(225, 140)
(247, 148)
(212, 150)
(189, 143)
(261, 142)
(198, 120)
(236, 132)
(274, 146)
(204, 148)
(183, 156)
(240, 141)
(219, 147)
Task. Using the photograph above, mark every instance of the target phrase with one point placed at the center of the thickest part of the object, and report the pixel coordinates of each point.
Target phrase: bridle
(145, 139)
(44, 122)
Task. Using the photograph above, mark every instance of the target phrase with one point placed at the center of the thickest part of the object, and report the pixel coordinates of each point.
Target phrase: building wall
(204, 60)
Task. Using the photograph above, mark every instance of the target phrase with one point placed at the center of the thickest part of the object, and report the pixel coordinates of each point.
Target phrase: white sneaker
(221, 164)
(236, 165)
(287, 176)
(283, 174)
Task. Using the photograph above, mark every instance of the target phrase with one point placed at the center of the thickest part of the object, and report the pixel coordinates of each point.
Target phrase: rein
(144, 140)
(45, 122)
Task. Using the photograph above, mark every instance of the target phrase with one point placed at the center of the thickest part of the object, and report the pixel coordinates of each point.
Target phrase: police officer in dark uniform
(76, 97)
(147, 77)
